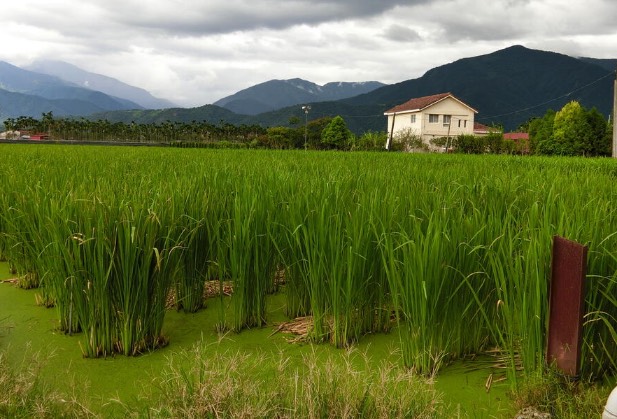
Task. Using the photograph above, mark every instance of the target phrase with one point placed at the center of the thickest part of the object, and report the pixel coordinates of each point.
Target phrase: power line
(507, 113)
(548, 101)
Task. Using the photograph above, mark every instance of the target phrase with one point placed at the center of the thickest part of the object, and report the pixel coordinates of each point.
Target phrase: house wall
(458, 113)
(402, 122)
(428, 130)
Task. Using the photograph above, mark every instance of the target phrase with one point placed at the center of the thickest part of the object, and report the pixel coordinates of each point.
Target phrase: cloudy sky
(194, 52)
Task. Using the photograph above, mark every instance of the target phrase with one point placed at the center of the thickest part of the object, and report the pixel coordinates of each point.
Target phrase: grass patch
(24, 395)
(206, 382)
(551, 394)
(203, 382)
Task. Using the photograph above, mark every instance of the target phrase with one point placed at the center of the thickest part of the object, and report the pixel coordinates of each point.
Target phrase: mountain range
(92, 81)
(28, 93)
(508, 87)
(66, 90)
(276, 94)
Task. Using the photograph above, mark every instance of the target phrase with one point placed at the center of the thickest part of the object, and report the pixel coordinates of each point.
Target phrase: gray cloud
(401, 33)
(246, 15)
(197, 52)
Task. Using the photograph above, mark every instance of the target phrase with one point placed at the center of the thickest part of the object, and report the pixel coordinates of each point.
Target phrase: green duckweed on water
(29, 328)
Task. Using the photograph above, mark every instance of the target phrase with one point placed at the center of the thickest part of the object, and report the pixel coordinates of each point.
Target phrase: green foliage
(511, 147)
(570, 130)
(279, 137)
(600, 134)
(371, 141)
(313, 131)
(469, 144)
(541, 133)
(494, 142)
(336, 135)
(573, 131)
(549, 393)
(460, 263)
(407, 140)
(190, 133)
(24, 395)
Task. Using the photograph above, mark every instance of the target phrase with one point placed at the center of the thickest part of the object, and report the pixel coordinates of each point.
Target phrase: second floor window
(413, 119)
(433, 118)
(446, 120)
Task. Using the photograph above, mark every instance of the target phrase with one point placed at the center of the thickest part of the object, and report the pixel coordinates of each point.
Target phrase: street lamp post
(306, 109)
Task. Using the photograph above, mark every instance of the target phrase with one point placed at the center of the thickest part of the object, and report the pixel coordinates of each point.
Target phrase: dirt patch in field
(300, 327)
(211, 289)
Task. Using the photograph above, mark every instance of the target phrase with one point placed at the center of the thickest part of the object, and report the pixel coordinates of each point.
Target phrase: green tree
(336, 135)
(279, 137)
(470, 144)
(494, 142)
(314, 130)
(571, 132)
(600, 142)
(541, 134)
(371, 141)
(407, 140)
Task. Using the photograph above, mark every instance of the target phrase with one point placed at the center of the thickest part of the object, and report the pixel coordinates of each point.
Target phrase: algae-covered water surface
(109, 383)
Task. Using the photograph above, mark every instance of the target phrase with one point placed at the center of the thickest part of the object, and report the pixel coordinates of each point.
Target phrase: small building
(9, 135)
(431, 117)
(516, 136)
(520, 139)
(482, 130)
(39, 136)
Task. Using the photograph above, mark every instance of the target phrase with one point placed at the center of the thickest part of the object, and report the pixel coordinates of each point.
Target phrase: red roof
(39, 136)
(417, 104)
(480, 127)
(516, 136)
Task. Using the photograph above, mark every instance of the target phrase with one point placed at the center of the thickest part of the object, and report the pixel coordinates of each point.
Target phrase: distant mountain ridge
(25, 93)
(98, 82)
(507, 87)
(275, 94)
(608, 64)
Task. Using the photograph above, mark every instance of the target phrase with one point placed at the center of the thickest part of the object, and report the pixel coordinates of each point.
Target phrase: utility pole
(306, 109)
(615, 116)
(391, 133)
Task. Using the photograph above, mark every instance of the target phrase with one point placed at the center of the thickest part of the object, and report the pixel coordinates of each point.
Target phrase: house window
(413, 119)
(459, 123)
(465, 123)
(433, 118)
(446, 120)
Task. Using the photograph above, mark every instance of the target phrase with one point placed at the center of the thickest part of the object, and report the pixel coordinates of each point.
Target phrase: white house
(429, 117)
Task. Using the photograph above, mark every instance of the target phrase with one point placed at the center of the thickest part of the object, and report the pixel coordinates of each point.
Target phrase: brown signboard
(566, 306)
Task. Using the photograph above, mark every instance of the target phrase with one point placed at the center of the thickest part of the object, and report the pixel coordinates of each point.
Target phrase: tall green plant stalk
(457, 248)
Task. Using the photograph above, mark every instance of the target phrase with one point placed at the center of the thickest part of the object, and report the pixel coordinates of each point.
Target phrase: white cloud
(197, 52)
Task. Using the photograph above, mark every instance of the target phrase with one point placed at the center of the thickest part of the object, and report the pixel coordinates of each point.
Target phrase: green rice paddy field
(435, 266)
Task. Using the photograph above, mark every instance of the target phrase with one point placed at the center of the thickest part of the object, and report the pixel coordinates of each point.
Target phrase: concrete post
(615, 116)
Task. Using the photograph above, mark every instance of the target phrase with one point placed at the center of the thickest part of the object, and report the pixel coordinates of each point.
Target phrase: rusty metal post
(566, 306)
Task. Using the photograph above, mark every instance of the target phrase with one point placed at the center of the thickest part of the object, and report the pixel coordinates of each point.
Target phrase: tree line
(571, 131)
(320, 134)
